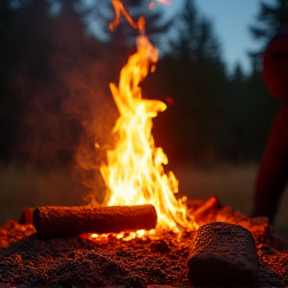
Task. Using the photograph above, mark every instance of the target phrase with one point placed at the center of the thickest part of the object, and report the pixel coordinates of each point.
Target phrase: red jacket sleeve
(273, 171)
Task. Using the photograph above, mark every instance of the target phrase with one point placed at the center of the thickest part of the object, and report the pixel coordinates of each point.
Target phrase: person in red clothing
(273, 170)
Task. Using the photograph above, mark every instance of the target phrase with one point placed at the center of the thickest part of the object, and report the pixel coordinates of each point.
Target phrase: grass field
(21, 189)
(233, 185)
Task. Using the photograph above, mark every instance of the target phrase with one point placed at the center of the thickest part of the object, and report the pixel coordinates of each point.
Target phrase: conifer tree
(196, 80)
(270, 18)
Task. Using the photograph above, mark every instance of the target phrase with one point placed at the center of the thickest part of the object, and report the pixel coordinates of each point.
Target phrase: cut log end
(223, 254)
(70, 221)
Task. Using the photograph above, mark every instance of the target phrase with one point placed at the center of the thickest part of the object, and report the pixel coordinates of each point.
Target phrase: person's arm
(273, 171)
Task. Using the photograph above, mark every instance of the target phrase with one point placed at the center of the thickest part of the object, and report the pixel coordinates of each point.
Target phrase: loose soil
(159, 259)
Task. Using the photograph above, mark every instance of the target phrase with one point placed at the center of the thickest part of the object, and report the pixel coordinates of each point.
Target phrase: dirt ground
(159, 259)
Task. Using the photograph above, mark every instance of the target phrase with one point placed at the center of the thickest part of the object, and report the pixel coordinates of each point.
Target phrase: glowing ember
(166, 2)
(134, 174)
(124, 236)
(152, 4)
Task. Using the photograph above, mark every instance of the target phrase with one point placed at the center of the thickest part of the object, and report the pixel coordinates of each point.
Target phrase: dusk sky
(231, 20)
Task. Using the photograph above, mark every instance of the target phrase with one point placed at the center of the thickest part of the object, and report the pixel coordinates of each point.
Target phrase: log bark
(70, 221)
(223, 254)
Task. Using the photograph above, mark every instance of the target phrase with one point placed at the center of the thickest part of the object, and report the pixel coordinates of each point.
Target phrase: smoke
(63, 112)
(61, 102)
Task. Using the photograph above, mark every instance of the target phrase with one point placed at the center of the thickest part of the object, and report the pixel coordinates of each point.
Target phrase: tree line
(57, 58)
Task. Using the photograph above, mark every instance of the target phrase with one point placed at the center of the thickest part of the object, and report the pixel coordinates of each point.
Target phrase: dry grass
(21, 189)
(233, 185)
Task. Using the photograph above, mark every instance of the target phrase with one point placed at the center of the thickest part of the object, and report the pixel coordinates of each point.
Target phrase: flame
(134, 172)
(119, 8)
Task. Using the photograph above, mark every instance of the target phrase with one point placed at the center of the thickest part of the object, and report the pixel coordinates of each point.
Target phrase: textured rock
(223, 254)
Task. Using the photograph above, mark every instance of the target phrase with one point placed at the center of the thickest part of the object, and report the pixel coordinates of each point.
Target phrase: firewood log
(26, 216)
(211, 203)
(69, 221)
(223, 254)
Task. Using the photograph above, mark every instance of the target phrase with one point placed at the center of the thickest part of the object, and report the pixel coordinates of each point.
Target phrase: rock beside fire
(223, 254)
(72, 221)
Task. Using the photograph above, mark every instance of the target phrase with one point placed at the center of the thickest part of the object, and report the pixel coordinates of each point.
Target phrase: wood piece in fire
(211, 203)
(26, 216)
(70, 221)
(223, 254)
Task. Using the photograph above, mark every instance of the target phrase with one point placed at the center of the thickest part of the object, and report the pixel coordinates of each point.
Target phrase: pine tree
(196, 80)
(270, 18)
(236, 108)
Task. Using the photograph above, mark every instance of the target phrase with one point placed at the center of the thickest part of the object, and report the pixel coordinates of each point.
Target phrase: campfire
(228, 249)
(143, 180)
(142, 235)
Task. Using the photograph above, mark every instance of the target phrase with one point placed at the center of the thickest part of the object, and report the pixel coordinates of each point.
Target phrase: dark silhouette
(273, 171)
(271, 16)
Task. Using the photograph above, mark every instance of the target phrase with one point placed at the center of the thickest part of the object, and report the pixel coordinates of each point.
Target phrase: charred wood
(26, 216)
(69, 221)
(206, 207)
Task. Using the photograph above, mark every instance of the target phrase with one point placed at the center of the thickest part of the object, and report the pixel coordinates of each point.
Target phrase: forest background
(57, 58)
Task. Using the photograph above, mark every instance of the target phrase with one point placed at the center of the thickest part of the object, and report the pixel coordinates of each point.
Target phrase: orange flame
(134, 174)
(119, 8)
